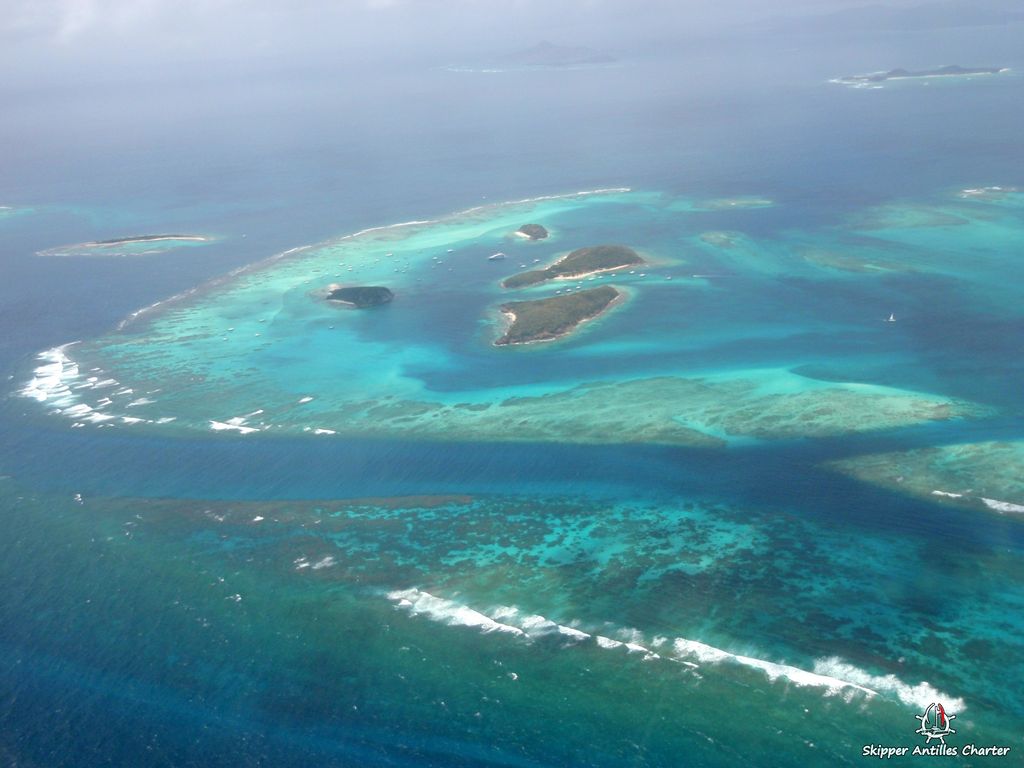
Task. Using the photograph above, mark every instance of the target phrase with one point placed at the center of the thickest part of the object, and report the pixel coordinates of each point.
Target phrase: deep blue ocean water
(122, 639)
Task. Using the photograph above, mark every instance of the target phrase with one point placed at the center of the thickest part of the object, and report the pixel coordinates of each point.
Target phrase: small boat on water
(496, 257)
(891, 318)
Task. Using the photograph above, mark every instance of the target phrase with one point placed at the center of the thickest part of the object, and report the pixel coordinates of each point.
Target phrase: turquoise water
(243, 527)
(811, 595)
(264, 352)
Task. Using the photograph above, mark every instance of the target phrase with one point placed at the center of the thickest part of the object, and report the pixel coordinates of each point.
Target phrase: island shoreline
(510, 318)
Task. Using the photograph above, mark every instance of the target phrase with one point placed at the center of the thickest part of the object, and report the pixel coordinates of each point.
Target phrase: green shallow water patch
(261, 351)
(667, 410)
(636, 626)
(986, 475)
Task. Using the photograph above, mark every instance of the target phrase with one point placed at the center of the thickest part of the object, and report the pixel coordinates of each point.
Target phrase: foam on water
(920, 695)
(832, 676)
(51, 381)
(220, 426)
(707, 654)
(224, 352)
(1003, 506)
(419, 603)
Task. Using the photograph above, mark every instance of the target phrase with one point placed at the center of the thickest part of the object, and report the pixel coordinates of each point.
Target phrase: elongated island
(145, 239)
(554, 317)
(135, 245)
(952, 70)
(578, 263)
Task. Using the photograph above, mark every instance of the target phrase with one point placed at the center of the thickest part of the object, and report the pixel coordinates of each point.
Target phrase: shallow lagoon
(650, 505)
(259, 352)
(177, 626)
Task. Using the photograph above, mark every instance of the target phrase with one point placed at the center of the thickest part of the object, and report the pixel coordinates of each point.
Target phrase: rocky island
(360, 296)
(579, 263)
(532, 232)
(552, 318)
(953, 70)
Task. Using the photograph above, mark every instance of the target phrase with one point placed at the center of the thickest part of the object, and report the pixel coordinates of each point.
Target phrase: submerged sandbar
(579, 263)
(984, 475)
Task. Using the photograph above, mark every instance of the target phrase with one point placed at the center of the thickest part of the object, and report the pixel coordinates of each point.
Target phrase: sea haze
(291, 533)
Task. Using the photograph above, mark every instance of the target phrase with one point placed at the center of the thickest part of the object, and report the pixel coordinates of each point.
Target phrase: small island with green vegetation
(554, 317)
(579, 263)
(360, 296)
(134, 245)
(952, 70)
(532, 232)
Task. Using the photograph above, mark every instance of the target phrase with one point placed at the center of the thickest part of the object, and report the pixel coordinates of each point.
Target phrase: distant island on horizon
(542, 55)
(144, 239)
(547, 54)
(951, 70)
(123, 246)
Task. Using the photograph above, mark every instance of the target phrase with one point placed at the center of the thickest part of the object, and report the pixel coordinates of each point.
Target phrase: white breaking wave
(220, 426)
(710, 655)
(58, 380)
(60, 385)
(832, 675)
(51, 382)
(447, 611)
(999, 506)
(1002, 506)
(920, 695)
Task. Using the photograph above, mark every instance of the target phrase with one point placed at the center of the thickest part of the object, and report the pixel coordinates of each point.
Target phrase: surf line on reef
(833, 675)
(291, 252)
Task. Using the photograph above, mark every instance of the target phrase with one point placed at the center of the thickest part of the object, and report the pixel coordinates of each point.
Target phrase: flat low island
(554, 317)
(952, 70)
(360, 296)
(578, 263)
(146, 239)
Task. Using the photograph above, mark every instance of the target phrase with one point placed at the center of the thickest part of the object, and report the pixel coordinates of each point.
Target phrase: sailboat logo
(935, 723)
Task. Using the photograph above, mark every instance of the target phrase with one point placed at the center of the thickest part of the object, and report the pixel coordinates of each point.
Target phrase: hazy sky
(65, 21)
(81, 41)
(129, 36)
